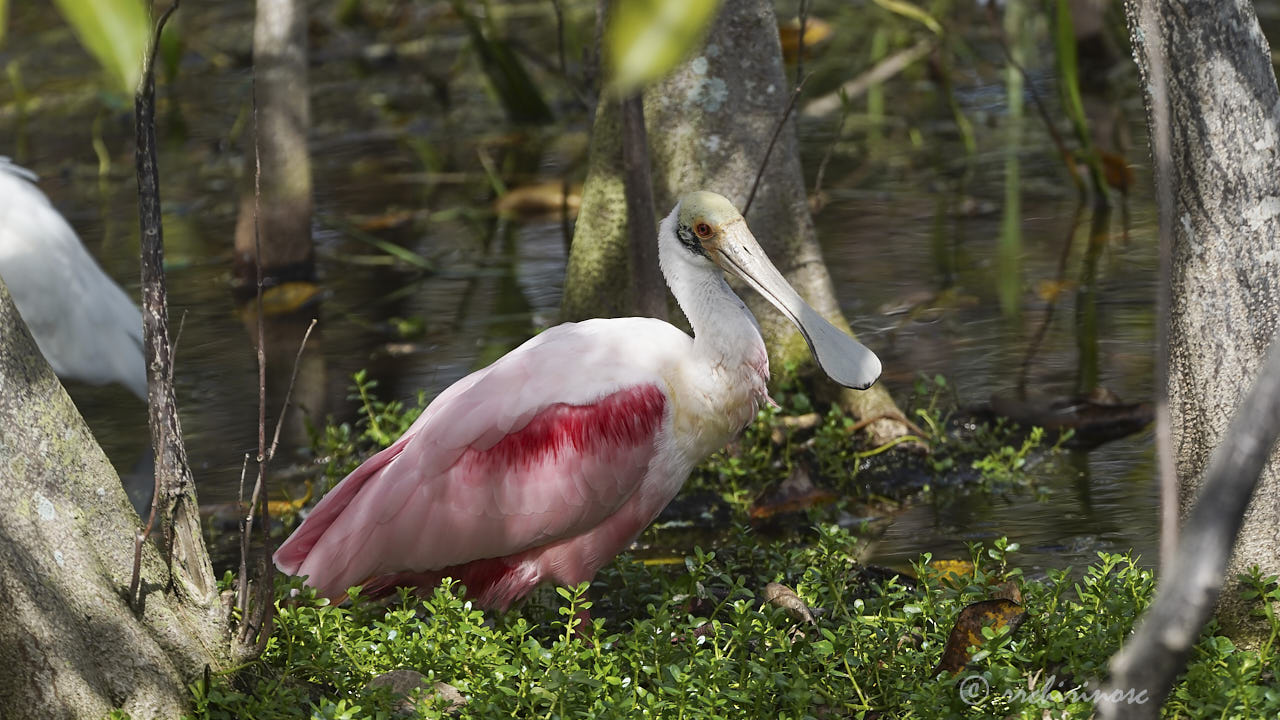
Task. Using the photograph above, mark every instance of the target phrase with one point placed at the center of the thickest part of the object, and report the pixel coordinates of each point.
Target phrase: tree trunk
(710, 123)
(1220, 194)
(72, 646)
(648, 290)
(597, 280)
(284, 118)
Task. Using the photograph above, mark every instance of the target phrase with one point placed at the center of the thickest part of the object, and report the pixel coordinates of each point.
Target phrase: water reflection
(300, 376)
(1008, 258)
(1086, 324)
(1094, 501)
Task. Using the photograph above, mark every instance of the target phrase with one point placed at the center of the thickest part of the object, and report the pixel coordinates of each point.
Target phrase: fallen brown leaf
(995, 614)
(1008, 591)
(794, 494)
(780, 595)
(816, 32)
(954, 572)
(385, 221)
(540, 200)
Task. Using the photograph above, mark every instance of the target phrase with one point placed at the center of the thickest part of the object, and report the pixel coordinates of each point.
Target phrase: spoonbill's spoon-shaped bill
(729, 244)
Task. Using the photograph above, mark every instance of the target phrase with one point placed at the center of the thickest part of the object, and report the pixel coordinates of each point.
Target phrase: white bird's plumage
(82, 321)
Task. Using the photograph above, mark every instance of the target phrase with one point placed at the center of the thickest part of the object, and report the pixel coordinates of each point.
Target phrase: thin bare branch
(246, 526)
(895, 417)
(293, 379)
(1169, 46)
(140, 537)
(773, 140)
(1162, 152)
(1157, 652)
(879, 73)
(244, 471)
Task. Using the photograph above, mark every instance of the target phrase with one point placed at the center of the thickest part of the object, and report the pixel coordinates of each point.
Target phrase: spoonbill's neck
(725, 333)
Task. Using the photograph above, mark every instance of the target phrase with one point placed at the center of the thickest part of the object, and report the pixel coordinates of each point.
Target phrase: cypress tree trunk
(709, 124)
(1219, 191)
(72, 646)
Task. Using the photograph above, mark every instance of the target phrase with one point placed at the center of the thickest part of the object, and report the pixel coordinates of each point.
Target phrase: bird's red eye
(703, 230)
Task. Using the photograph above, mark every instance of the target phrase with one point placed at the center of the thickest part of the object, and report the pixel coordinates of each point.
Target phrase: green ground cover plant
(697, 641)
(690, 634)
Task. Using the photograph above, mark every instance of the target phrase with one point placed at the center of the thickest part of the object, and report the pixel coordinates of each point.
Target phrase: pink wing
(544, 444)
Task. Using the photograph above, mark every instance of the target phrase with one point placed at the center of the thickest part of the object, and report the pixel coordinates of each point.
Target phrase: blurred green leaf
(647, 38)
(1064, 40)
(907, 10)
(114, 32)
(4, 18)
(1065, 44)
(173, 45)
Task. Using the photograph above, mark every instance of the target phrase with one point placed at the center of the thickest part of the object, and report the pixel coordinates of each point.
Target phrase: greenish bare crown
(707, 207)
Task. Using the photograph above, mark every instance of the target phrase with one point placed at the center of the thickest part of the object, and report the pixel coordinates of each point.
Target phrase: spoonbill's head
(712, 230)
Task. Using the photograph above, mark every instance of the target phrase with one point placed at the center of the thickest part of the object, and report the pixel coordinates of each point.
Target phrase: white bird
(82, 321)
(546, 464)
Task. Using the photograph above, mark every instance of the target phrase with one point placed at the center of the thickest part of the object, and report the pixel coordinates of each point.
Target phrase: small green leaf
(647, 38)
(114, 32)
(908, 10)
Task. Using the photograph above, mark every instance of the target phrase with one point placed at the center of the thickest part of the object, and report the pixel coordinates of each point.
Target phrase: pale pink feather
(531, 469)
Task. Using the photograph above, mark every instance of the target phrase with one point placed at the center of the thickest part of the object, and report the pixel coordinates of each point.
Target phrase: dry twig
(777, 130)
(879, 73)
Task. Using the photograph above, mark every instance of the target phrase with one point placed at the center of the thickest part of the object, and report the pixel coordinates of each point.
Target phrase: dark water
(912, 234)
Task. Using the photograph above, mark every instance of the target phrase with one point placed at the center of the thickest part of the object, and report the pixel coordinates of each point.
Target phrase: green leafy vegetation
(696, 640)
(961, 454)
(343, 446)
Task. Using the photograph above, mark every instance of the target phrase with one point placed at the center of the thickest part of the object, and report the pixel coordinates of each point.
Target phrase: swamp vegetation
(963, 209)
(782, 618)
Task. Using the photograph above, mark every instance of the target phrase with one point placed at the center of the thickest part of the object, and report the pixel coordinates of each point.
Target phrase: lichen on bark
(66, 555)
(598, 278)
(1211, 63)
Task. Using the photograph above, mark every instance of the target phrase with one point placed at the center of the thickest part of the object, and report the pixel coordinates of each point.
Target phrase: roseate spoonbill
(84, 324)
(546, 464)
